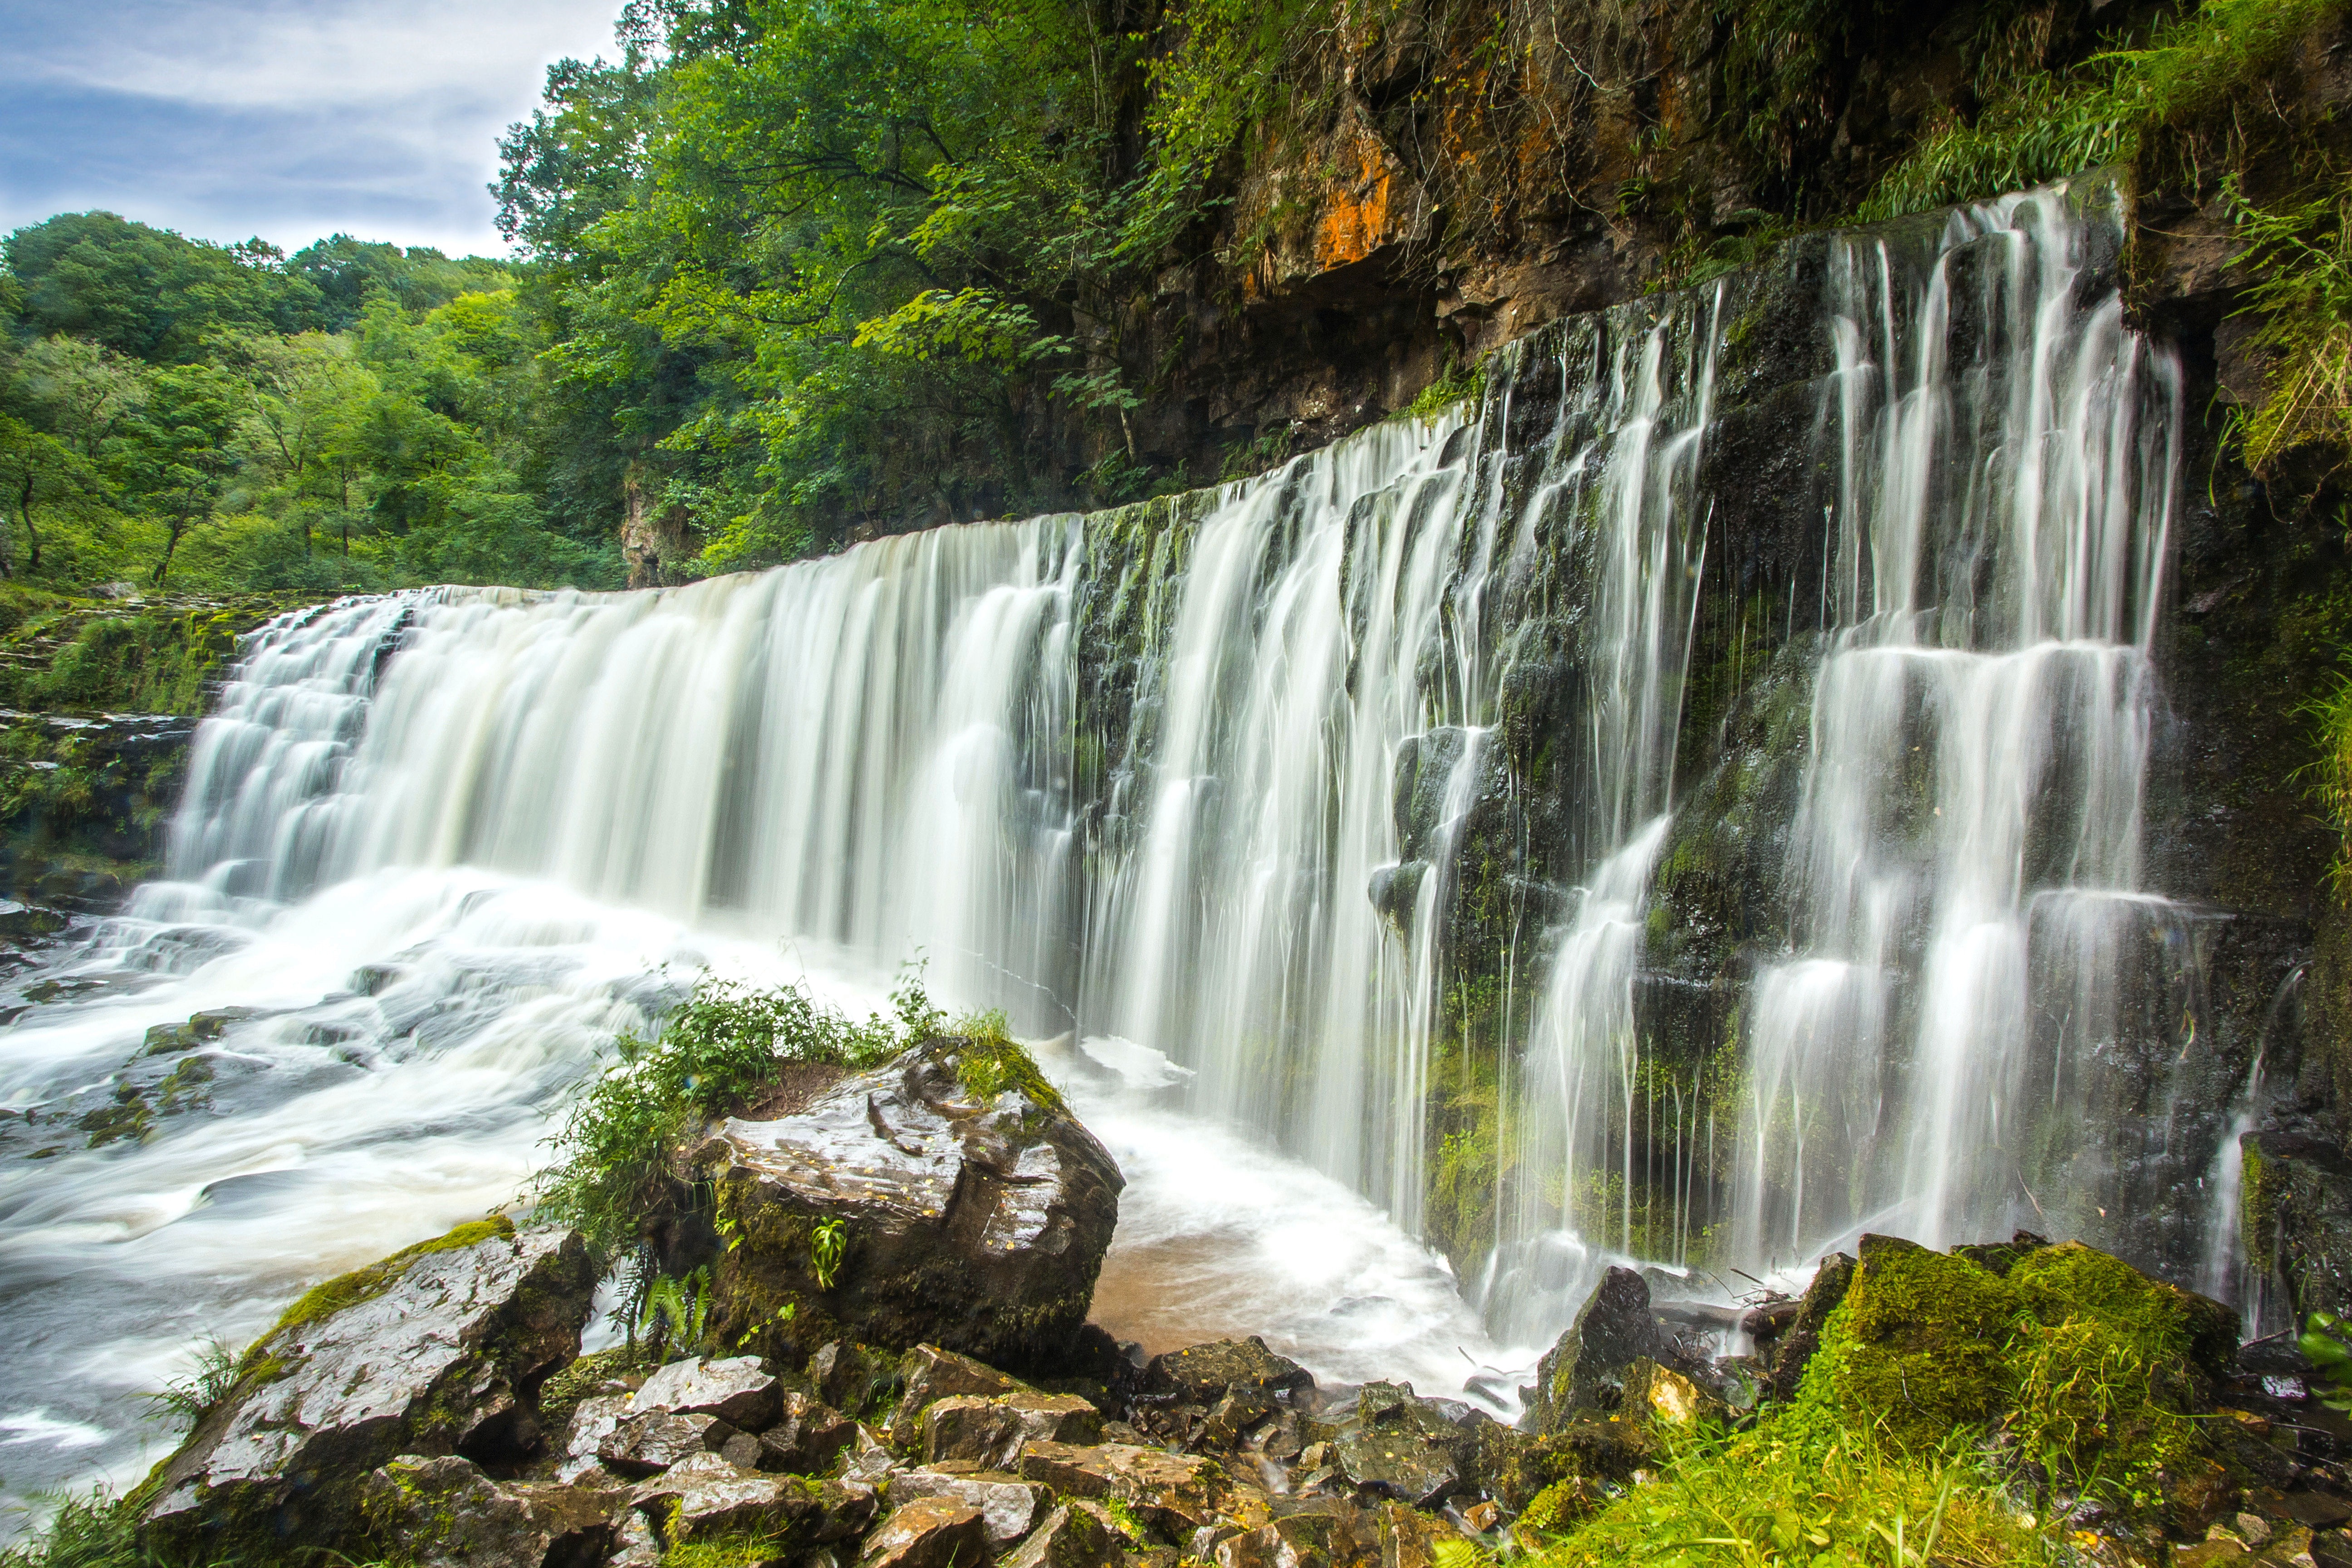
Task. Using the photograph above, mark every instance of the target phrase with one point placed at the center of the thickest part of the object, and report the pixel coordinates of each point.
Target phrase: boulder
(735, 1390)
(1068, 1537)
(929, 1532)
(445, 1513)
(1315, 1538)
(651, 1443)
(1400, 1446)
(1663, 1396)
(593, 1421)
(973, 1211)
(930, 1373)
(1410, 1539)
(1201, 1374)
(1585, 1367)
(1009, 1505)
(848, 1377)
(991, 1431)
(704, 1496)
(806, 1437)
(1173, 1493)
(437, 1350)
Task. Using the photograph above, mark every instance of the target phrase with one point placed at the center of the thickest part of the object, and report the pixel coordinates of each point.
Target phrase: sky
(288, 119)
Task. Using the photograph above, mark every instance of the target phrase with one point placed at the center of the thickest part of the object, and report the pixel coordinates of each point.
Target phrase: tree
(175, 454)
(149, 292)
(36, 468)
(308, 397)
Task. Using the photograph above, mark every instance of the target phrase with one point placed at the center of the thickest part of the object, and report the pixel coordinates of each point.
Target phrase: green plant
(2300, 255)
(827, 1242)
(2040, 125)
(86, 1530)
(2327, 1341)
(191, 1398)
(671, 1313)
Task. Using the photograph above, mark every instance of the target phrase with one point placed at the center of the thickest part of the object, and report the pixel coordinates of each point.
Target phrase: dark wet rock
(1801, 1336)
(444, 1512)
(806, 1437)
(1201, 1374)
(930, 1373)
(635, 1545)
(200, 1029)
(932, 1532)
(1009, 1505)
(1173, 1493)
(2295, 1200)
(973, 1221)
(1069, 1537)
(434, 1350)
(1317, 1538)
(1585, 1367)
(1409, 1538)
(651, 1441)
(850, 1377)
(1400, 1446)
(736, 1391)
(702, 1496)
(992, 1430)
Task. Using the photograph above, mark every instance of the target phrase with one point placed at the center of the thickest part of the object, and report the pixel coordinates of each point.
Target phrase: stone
(1401, 1447)
(1410, 1539)
(1173, 1493)
(593, 1421)
(437, 1350)
(1792, 1348)
(702, 1495)
(635, 1545)
(651, 1443)
(1203, 1375)
(992, 1430)
(735, 1390)
(1311, 1538)
(1069, 1537)
(807, 1437)
(929, 1532)
(975, 1221)
(846, 1375)
(928, 1373)
(1614, 1328)
(443, 1512)
(1010, 1506)
(1660, 1393)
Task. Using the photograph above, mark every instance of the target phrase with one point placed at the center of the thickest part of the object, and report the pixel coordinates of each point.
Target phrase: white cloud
(226, 117)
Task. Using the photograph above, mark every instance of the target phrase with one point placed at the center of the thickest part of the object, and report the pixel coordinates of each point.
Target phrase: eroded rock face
(973, 1218)
(435, 1350)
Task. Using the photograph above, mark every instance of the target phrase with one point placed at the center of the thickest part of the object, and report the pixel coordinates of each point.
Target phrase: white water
(452, 842)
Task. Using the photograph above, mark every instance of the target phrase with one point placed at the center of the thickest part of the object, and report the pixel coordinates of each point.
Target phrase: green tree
(148, 292)
(36, 469)
(175, 455)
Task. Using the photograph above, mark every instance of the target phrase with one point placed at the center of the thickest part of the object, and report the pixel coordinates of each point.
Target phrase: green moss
(1915, 1352)
(988, 1061)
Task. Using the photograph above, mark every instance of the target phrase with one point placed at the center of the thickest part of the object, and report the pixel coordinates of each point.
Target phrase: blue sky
(288, 119)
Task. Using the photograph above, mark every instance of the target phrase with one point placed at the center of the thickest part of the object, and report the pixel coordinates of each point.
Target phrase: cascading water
(1970, 821)
(1285, 819)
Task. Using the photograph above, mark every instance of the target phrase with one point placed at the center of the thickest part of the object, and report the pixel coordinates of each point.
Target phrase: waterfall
(1345, 815)
(1979, 745)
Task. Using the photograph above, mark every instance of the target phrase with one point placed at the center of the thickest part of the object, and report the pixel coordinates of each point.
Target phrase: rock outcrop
(946, 1197)
(434, 1352)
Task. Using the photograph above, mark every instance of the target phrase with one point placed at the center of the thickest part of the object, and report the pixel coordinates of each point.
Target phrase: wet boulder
(445, 1513)
(1397, 1446)
(1009, 1506)
(437, 1349)
(991, 1431)
(651, 1441)
(1201, 1374)
(1069, 1537)
(705, 1495)
(949, 1198)
(806, 1438)
(929, 1375)
(735, 1390)
(1585, 1368)
(1173, 1493)
(929, 1532)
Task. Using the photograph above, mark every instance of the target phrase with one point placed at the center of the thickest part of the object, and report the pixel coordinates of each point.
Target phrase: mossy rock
(2072, 1359)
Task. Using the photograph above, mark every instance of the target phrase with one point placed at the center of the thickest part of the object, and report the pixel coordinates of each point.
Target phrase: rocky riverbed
(434, 1407)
